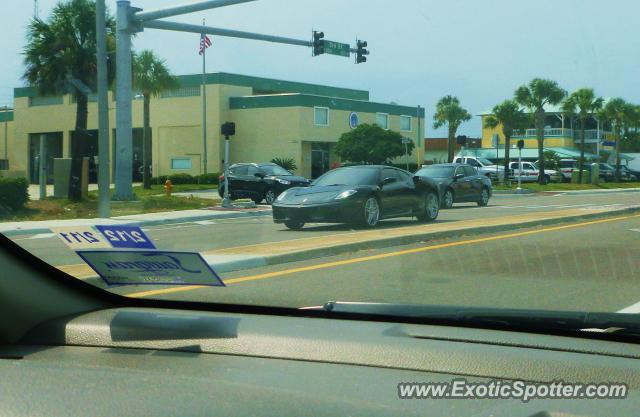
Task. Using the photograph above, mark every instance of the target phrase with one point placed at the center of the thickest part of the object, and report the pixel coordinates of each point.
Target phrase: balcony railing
(548, 133)
(590, 135)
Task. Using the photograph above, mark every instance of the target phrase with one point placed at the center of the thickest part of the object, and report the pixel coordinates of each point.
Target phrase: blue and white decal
(151, 268)
(126, 237)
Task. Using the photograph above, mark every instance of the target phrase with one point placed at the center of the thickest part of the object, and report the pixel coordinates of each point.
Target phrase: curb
(259, 261)
(154, 222)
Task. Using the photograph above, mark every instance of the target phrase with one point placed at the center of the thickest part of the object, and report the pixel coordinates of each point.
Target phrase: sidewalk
(44, 226)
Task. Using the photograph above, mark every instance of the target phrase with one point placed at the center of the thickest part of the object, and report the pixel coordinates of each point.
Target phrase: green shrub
(177, 179)
(211, 178)
(14, 193)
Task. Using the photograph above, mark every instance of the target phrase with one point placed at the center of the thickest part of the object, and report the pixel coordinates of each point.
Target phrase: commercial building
(561, 135)
(273, 118)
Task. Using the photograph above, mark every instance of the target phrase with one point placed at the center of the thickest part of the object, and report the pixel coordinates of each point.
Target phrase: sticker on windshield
(81, 237)
(151, 268)
(126, 237)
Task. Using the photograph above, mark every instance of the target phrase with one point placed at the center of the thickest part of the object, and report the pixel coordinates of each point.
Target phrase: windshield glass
(120, 177)
(349, 176)
(436, 172)
(275, 170)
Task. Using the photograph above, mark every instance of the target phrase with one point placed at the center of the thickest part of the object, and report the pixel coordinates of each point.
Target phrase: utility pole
(42, 179)
(6, 134)
(35, 9)
(203, 47)
(104, 181)
(124, 137)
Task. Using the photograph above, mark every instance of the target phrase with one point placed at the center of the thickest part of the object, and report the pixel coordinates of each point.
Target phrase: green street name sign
(336, 48)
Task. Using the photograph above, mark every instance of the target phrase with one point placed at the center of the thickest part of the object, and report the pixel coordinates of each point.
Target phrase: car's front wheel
(270, 196)
(484, 198)
(447, 199)
(431, 208)
(370, 214)
(293, 225)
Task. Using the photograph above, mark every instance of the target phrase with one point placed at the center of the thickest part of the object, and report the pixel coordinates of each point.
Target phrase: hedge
(14, 193)
(211, 178)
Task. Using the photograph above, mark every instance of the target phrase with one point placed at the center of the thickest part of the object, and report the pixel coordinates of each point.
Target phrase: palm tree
(512, 118)
(151, 77)
(449, 111)
(60, 57)
(534, 96)
(618, 113)
(582, 103)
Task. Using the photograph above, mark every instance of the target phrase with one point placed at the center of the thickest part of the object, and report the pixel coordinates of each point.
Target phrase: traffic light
(318, 43)
(520, 144)
(462, 140)
(361, 52)
(228, 129)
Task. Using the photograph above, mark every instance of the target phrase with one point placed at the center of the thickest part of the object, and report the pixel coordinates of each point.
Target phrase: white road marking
(634, 230)
(632, 309)
(205, 222)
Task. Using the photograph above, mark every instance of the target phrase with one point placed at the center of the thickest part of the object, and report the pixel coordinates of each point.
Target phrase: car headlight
(345, 194)
(281, 196)
(283, 182)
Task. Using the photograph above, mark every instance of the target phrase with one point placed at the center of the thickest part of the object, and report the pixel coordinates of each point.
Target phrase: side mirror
(388, 180)
(458, 177)
(259, 175)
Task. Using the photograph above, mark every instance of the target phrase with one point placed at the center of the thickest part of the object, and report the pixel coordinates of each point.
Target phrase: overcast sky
(480, 51)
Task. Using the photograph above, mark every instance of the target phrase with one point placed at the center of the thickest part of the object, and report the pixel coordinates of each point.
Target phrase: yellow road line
(378, 257)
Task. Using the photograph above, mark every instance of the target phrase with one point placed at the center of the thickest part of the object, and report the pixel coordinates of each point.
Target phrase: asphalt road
(590, 266)
(209, 235)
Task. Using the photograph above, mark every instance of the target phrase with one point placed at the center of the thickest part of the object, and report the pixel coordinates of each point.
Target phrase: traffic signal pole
(131, 20)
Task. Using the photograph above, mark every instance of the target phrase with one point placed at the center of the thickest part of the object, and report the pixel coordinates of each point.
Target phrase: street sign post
(337, 48)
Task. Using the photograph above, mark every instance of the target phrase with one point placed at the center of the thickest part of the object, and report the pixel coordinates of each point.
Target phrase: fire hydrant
(168, 188)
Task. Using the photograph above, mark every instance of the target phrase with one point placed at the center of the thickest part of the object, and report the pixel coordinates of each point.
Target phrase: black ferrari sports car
(362, 195)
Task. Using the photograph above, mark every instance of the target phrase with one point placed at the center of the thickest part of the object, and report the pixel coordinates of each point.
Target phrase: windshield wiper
(511, 319)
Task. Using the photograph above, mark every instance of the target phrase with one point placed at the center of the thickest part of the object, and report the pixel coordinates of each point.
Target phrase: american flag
(205, 42)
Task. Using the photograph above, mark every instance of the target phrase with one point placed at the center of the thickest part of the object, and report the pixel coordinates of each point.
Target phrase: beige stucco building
(274, 118)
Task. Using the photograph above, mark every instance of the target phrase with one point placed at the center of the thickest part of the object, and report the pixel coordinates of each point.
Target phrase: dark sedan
(458, 183)
(362, 195)
(259, 182)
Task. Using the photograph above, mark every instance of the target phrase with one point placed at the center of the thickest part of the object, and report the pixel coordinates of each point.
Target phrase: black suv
(259, 182)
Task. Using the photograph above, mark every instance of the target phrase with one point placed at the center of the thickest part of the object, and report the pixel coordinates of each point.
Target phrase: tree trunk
(581, 160)
(146, 144)
(540, 136)
(78, 147)
(507, 149)
(451, 144)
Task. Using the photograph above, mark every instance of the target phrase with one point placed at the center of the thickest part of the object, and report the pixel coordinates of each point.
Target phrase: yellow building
(561, 135)
(274, 118)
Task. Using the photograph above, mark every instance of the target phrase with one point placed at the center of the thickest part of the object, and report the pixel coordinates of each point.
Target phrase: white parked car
(483, 165)
(529, 171)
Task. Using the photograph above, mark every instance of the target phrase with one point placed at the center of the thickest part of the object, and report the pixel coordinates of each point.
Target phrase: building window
(45, 100)
(382, 120)
(321, 116)
(180, 163)
(405, 123)
(182, 92)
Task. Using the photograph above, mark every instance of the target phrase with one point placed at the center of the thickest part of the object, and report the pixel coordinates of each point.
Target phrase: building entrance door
(319, 159)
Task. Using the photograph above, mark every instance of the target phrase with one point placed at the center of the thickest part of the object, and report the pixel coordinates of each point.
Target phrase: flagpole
(204, 101)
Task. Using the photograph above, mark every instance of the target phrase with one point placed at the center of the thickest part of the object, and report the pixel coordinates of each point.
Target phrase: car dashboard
(163, 362)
